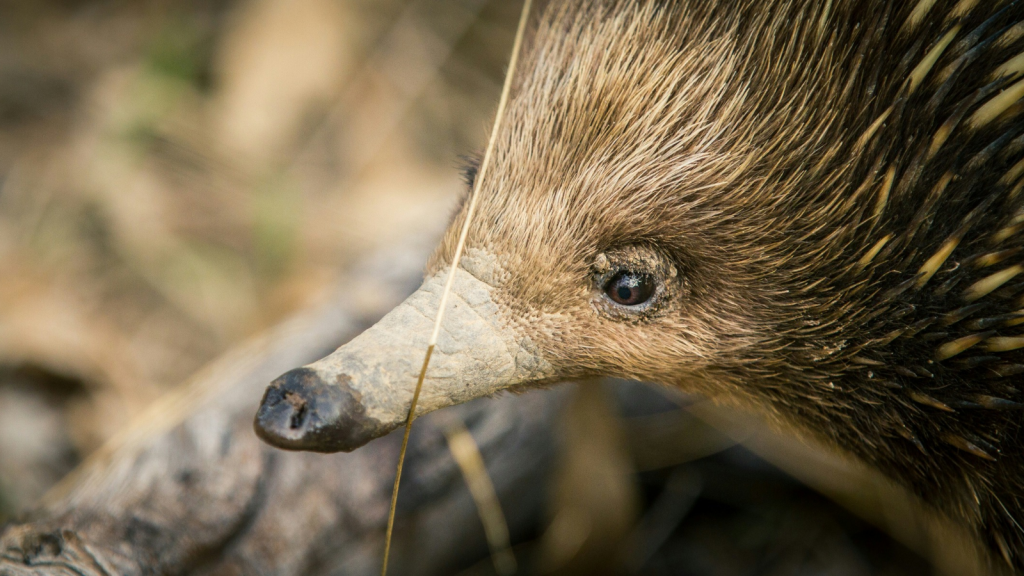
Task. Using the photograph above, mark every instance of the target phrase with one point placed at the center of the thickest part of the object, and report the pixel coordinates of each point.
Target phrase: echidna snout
(362, 391)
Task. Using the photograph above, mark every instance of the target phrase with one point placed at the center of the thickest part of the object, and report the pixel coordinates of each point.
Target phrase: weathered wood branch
(190, 489)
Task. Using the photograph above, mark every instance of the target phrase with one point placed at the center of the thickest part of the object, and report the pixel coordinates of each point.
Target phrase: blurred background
(177, 175)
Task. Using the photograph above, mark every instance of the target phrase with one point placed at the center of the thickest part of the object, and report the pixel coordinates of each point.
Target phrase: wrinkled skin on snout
(363, 390)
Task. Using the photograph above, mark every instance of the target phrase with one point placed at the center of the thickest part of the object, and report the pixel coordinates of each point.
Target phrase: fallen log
(189, 489)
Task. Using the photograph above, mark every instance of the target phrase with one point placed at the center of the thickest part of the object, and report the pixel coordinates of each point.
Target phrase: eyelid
(648, 262)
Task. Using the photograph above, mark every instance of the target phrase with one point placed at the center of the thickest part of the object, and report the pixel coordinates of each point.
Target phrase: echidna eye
(630, 288)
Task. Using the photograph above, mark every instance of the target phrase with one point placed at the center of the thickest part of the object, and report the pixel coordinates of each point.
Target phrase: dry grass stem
(467, 455)
(451, 275)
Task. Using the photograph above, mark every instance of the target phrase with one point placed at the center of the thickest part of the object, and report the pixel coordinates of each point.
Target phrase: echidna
(810, 207)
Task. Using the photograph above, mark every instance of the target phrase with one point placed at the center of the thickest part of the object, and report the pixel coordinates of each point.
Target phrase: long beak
(363, 390)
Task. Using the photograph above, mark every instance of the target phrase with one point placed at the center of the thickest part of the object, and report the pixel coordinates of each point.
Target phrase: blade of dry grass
(467, 455)
(470, 209)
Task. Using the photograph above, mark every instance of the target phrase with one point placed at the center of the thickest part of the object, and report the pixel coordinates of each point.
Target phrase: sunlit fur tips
(952, 348)
(992, 282)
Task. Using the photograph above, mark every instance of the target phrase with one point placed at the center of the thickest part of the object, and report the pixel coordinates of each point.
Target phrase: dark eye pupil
(630, 289)
(625, 292)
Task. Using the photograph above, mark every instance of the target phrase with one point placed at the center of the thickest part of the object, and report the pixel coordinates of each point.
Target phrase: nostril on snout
(300, 411)
(288, 412)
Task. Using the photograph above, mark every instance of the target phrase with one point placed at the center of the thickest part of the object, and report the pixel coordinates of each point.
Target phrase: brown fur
(829, 181)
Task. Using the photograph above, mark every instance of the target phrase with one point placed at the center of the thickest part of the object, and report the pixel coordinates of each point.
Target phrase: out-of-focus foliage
(175, 176)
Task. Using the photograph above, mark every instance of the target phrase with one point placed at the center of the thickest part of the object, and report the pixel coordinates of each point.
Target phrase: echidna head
(637, 222)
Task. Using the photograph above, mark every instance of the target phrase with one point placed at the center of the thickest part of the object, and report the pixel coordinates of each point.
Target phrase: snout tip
(302, 411)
